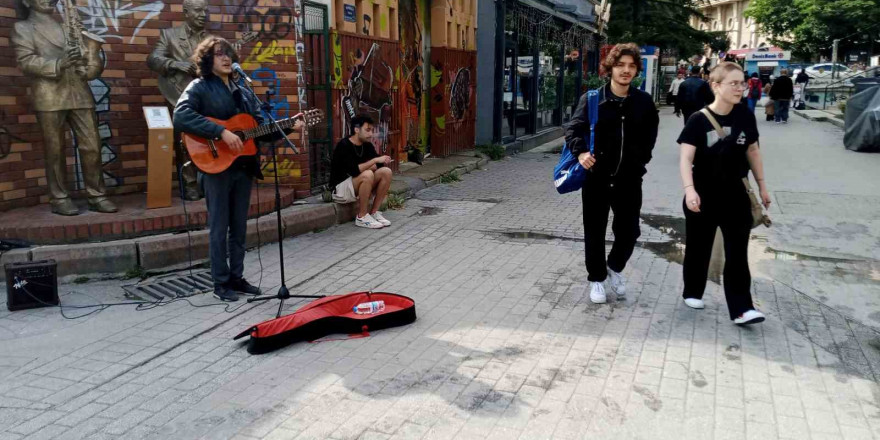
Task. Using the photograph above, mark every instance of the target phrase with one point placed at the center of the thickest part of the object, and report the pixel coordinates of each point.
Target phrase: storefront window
(510, 92)
(542, 70)
(526, 84)
(570, 93)
(549, 97)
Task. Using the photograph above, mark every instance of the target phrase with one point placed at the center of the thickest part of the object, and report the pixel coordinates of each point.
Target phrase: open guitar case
(329, 315)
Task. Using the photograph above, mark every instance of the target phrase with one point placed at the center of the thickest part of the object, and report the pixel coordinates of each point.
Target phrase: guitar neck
(263, 130)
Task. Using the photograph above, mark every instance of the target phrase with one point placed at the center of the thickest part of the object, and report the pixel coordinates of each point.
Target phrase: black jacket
(210, 97)
(782, 89)
(693, 94)
(625, 133)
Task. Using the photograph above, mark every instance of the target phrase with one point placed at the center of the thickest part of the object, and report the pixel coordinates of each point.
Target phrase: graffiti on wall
(460, 93)
(271, 53)
(102, 17)
(273, 21)
(278, 26)
(270, 79)
(412, 81)
(450, 94)
(369, 92)
(101, 93)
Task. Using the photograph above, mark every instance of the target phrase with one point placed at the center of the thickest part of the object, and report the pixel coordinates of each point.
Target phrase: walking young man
(227, 194)
(358, 172)
(693, 94)
(624, 138)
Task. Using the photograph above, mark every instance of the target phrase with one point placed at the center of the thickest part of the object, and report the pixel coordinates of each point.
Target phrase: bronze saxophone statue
(88, 44)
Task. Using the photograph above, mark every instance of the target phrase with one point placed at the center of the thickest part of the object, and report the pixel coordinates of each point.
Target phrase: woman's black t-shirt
(720, 163)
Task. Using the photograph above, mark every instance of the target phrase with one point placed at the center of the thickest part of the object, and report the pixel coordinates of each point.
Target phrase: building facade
(729, 16)
(535, 55)
(410, 64)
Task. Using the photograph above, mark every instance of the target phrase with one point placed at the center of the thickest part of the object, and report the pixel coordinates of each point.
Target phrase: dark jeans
(752, 103)
(625, 200)
(782, 107)
(732, 213)
(228, 196)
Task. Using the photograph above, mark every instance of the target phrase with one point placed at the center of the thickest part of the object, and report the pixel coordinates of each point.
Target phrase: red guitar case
(329, 315)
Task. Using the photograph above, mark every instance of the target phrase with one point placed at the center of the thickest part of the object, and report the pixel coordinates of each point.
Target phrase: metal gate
(316, 71)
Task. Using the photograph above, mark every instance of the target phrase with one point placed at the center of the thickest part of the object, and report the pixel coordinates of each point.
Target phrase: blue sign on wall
(350, 14)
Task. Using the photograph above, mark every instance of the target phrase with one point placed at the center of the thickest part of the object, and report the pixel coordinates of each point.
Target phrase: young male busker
(624, 137)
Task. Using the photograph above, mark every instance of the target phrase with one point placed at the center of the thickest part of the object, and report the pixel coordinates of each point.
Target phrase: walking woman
(712, 168)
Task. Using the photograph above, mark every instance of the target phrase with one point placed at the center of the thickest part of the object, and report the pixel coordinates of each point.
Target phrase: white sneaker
(618, 282)
(749, 317)
(597, 293)
(381, 219)
(695, 303)
(367, 221)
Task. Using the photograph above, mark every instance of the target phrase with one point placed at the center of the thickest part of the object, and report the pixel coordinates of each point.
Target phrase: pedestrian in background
(624, 137)
(673, 89)
(693, 94)
(770, 106)
(754, 91)
(712, 168)
(782, 93)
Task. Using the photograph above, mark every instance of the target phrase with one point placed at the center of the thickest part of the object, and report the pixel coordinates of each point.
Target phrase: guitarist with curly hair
(216, 94)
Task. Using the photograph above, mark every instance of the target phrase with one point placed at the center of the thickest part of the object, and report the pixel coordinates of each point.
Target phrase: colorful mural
(369, 92)
(452, 90)
(412, 75)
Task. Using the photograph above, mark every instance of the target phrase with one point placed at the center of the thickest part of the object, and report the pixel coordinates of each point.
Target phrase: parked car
(823, 70)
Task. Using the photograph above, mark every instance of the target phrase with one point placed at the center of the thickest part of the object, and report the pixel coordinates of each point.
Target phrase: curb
(833, 120)
(172, 250)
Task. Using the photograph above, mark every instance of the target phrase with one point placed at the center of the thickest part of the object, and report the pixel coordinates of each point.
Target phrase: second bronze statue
(171, 58)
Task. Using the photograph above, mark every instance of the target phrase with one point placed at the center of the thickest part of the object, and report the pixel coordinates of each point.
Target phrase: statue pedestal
(160, 152)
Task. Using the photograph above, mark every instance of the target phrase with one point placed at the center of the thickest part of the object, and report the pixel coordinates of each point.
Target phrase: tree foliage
(663, 23)
(809, 27)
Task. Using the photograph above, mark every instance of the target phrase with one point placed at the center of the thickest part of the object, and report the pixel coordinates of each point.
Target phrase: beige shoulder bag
(758, 216)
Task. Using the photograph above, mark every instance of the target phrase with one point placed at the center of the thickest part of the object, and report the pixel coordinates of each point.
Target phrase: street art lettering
(271, 20)
(300, 61)
(267, 54)
(275, 23)
(369, 92)
(101, 17)
(286, 168)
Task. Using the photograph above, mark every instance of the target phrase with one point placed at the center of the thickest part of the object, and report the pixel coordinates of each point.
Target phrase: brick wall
(127, 85)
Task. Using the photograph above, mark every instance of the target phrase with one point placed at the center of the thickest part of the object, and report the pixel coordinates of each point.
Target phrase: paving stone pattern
(506, 344)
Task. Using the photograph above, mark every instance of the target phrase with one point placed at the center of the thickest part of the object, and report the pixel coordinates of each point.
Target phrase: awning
(741, 53)
(582, 15)
(768, 63)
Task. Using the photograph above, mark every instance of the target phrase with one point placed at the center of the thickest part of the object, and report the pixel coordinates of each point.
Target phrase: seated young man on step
(357, 172)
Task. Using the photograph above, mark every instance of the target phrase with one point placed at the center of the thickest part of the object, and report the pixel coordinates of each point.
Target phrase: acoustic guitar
(214, 157)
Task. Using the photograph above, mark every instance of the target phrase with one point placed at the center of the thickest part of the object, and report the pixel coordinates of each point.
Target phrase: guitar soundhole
(239, 134)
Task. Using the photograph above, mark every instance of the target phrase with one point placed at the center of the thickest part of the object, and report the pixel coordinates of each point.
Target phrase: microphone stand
(283, 291)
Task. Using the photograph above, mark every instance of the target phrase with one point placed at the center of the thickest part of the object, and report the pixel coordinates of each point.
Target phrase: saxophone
(87, 44)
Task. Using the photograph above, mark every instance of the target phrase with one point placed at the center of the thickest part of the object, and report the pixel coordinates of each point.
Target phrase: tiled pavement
(506, 344)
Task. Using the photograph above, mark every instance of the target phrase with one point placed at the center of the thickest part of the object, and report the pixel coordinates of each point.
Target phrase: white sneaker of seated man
(368, 221)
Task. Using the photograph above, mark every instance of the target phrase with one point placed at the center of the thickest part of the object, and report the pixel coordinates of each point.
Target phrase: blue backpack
(569, 175)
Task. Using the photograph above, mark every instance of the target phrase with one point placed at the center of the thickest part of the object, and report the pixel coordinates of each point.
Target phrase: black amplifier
(31, 284)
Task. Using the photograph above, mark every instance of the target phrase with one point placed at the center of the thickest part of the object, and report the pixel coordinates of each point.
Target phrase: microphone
(237, 68)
